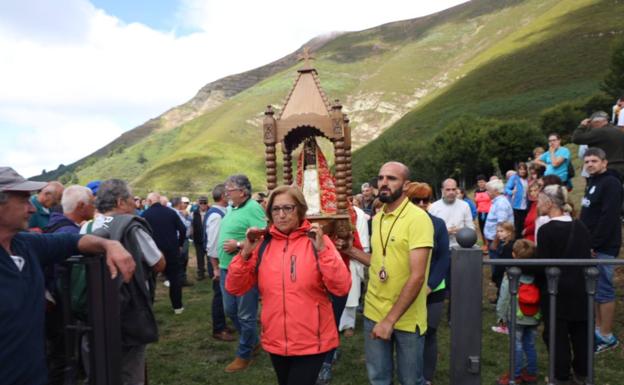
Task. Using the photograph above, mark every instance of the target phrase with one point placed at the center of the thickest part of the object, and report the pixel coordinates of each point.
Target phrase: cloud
(74, 77)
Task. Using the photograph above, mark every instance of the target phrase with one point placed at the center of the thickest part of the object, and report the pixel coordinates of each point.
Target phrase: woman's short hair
(295, 194)
(558, 195)
(522, 165)
(496, 185)
(418, 190)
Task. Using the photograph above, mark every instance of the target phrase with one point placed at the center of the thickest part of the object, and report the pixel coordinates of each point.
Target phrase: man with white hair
(78, 206)
(500, 211)
(596, 131)
(455, 212)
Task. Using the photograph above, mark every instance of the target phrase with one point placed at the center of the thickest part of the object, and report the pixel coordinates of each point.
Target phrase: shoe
(187, 283)
(239, 364)
(500, 329)
(166, 283)
(335, 356)
(603, 345)
(348, 333)
(224, 336)
(325, 374)
(528, 379)
(504, 380)
(178, 311)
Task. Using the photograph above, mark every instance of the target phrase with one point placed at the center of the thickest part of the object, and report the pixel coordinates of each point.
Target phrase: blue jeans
(243, 312)
(605, 292)
(525, 347)
(379, 357)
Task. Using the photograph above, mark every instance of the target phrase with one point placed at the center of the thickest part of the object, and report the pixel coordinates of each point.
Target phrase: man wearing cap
(22, 257)
(47, 198)
(596, 131)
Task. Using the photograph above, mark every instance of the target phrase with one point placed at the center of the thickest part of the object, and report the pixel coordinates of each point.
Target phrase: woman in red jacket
(297, 267)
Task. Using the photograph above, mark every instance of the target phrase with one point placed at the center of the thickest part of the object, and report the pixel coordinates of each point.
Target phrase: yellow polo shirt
(413, 229)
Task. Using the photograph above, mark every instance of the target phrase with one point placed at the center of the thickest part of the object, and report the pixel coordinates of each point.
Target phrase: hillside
(407, 78)
(560, 55)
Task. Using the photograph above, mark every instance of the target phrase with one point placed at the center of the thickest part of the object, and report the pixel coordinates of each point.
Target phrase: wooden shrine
(307, 114)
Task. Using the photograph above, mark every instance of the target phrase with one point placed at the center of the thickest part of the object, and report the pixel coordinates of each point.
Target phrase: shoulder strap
(263, 245)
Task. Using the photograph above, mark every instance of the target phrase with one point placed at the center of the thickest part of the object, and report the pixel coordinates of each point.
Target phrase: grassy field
(187, 353)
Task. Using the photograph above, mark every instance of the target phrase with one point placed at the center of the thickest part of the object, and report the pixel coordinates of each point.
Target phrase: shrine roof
(306, 96)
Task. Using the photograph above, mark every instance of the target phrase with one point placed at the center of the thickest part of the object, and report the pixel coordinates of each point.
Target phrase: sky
(76, 74)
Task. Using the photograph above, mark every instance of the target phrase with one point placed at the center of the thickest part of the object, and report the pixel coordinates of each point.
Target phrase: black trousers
(184, 255)
(200, 252)
(519, 216)
(218, 314)
(174, 271)
(570, 347)
(297, 370)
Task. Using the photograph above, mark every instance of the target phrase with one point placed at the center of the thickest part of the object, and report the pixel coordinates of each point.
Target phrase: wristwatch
(238, 245)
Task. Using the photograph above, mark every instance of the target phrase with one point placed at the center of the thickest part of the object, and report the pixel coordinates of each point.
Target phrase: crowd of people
(261, 249)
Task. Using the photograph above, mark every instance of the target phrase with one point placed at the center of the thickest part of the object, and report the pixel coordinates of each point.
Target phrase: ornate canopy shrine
(306, 114)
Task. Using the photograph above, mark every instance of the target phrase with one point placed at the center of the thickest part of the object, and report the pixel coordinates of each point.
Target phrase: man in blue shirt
(22, 257)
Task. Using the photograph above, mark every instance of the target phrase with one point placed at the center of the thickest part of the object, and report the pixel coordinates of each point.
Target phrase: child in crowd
(527, 318)
(501, 248)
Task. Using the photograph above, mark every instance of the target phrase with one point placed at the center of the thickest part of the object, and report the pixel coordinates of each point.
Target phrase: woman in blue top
(420, 194)
(516, 189)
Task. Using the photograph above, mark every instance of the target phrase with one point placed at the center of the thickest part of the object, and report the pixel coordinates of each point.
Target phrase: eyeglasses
(229, 190)
(420, 200)
(203, 202)
(287, 209)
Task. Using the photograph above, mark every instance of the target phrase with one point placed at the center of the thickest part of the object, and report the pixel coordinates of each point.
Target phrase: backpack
(77, 277)
(78, 286)
(528, 299)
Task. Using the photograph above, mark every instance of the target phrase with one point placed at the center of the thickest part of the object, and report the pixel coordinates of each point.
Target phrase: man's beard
(392, 197)
(448, 200)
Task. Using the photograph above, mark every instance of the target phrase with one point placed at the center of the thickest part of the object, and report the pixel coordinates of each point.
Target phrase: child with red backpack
(527, 318)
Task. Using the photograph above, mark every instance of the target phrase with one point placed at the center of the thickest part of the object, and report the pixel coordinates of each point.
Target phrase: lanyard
(383, 275)
(384, 246)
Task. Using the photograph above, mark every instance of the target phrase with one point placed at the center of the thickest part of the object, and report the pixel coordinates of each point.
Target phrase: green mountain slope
(562, 54)
(491, 57)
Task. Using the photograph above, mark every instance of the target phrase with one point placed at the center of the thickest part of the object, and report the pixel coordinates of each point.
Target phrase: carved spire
(306, 57)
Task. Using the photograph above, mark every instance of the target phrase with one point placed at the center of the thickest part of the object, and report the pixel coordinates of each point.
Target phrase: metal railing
(103, 327)
(466, 310)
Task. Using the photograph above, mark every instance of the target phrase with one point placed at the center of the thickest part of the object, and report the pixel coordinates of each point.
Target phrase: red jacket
(297, 315)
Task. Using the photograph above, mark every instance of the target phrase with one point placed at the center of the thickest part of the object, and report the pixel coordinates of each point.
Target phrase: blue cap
(94, 185)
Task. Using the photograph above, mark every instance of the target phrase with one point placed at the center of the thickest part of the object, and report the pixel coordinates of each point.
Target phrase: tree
(613, 83)
(460, 149)
(512, 141)
(561, 119)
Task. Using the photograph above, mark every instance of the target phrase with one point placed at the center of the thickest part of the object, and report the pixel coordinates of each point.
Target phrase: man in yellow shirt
(395, 305)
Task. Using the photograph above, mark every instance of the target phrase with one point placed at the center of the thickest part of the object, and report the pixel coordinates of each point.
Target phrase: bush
(561, 119)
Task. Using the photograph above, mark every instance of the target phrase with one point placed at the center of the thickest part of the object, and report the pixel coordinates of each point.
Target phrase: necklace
(383, 275)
